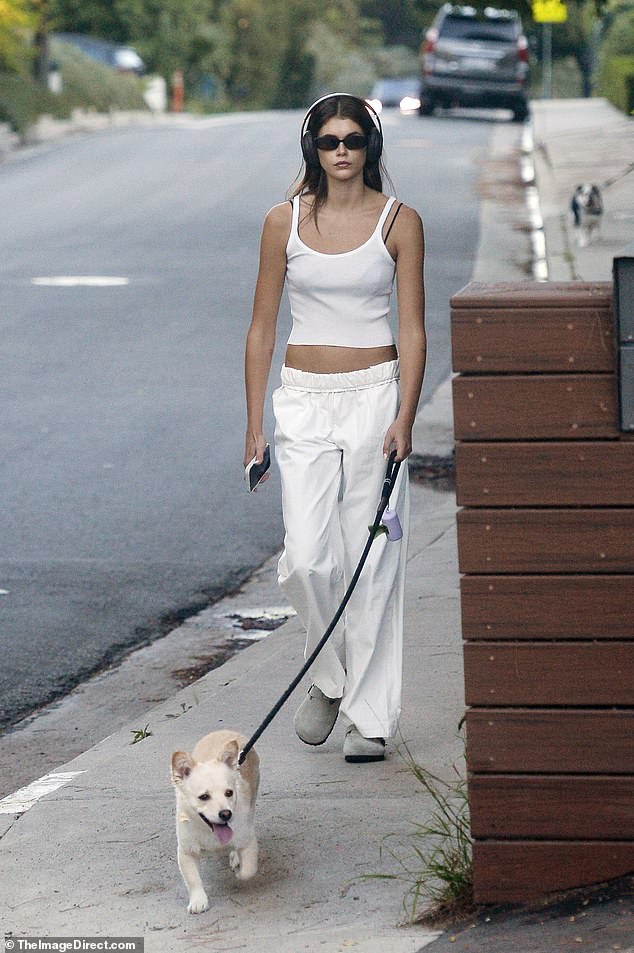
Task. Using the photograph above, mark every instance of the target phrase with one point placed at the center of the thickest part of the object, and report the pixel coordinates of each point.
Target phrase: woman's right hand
(255, 445)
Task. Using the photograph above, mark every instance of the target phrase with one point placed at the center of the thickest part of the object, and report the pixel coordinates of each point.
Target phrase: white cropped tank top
(342, 299)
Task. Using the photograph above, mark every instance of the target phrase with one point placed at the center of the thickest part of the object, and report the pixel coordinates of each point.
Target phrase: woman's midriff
(324, 359)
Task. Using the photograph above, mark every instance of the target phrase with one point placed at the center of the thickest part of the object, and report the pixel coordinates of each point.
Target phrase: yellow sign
(549, 11)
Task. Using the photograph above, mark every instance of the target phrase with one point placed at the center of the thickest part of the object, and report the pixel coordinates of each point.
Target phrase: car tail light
(522, 49)
(429, 47)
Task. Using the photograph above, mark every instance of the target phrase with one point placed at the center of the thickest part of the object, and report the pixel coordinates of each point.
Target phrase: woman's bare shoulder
(409, 217)
(277, 225)
(279, 216)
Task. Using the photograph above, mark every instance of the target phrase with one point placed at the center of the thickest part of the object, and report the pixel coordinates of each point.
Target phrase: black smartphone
(254, 472)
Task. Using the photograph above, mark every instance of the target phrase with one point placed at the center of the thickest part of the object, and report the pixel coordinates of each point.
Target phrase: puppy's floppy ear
(229, 755)
(182, 764)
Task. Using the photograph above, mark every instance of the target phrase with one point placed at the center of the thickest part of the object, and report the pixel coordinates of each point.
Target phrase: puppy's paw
(198, 902)
(234, 861)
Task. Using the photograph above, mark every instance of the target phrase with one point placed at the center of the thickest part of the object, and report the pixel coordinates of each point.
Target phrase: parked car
(475, 58)
(117, 56)
(402, 92)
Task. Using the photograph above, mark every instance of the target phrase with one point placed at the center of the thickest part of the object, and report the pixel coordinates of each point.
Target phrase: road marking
(24, 799)
(4, 592)
(75, 281)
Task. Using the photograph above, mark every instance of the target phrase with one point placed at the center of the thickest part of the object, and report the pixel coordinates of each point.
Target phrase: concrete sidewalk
(578, 141)
(96, 855)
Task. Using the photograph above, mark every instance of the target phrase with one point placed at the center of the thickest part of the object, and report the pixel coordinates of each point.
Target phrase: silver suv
(474, 58)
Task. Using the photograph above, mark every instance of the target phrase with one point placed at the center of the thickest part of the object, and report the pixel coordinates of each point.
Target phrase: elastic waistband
(348, 380)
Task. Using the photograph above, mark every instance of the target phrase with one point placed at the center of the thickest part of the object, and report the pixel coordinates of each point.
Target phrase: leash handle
(390, 480)
(388, 485)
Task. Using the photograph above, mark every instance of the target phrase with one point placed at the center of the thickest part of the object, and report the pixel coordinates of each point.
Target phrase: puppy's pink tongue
(223, 832)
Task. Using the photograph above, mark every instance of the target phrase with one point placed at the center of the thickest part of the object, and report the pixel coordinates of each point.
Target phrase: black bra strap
(387, 234)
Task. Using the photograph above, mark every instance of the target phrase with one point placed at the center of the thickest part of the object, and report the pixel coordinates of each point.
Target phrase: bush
(22, 100)
(619, 36)
(90, 84)
(86, 85)
(566, 79)
(615, 81)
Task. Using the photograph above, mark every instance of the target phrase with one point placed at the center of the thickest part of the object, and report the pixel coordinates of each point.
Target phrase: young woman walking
(346, 400)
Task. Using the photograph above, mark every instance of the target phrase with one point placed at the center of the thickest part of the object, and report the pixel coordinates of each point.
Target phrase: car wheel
(427, 105)
(520, 112)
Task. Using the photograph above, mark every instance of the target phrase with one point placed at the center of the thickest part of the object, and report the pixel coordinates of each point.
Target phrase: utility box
(623, 271)
(545, 482)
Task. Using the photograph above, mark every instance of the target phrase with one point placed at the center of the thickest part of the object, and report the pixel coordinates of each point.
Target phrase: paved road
(123, 507)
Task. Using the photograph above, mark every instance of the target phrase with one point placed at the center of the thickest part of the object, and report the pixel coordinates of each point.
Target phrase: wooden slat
(533, 294)
(550, 741)
(535, 407)
(547, 607)
(574, 806)
(570, 340)
(542, 541)
(516, 871)
(588, 473)
(549, 673)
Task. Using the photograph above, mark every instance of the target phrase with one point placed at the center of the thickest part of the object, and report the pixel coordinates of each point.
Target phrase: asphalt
(90, 851)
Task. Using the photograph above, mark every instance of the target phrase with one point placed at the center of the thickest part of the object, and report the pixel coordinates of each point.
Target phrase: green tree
(169, 34)
(618, 38)
(15, 19)
(269, 63)
(401, 20)
(93, 17)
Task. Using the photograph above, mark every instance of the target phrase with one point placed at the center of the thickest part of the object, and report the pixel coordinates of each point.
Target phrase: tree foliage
(270, 53)
(15, 19)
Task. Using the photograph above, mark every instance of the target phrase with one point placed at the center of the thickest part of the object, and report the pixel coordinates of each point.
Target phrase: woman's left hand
(399, 438)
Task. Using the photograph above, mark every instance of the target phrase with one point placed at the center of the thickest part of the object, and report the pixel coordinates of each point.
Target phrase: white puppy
(215, 807)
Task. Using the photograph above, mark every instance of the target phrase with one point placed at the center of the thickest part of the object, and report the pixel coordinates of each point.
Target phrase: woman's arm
(261, 335)
(409, 249)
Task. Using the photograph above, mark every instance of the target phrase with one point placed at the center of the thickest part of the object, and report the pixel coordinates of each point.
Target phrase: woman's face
(341, 163)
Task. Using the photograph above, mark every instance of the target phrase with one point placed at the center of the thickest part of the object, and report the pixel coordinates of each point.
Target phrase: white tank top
(343, 299)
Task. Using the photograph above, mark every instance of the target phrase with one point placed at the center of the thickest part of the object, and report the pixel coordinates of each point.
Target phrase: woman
(340, 411)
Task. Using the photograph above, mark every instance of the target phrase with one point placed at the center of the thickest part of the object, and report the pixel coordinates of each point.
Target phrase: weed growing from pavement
(184, 709)
(436, 864)
(140, 734)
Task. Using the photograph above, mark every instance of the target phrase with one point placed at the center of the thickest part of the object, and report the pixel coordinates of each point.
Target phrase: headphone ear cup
(309, 150)
(375, 147)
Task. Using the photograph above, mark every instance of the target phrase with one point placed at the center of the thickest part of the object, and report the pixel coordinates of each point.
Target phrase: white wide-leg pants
(329, 447)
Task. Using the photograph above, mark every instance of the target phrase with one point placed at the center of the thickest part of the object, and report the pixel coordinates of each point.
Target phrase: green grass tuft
(436, 863)
(140, 734)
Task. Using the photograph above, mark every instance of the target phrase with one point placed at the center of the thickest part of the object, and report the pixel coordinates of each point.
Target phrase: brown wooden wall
(546, 552)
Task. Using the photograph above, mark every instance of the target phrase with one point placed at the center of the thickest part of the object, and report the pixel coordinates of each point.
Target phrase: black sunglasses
(354, 140)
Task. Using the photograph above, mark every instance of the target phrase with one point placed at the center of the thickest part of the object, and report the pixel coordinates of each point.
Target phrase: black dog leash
(388, 485)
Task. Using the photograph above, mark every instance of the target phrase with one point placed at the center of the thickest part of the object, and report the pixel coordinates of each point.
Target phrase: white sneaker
(316, 717)
(359, 750)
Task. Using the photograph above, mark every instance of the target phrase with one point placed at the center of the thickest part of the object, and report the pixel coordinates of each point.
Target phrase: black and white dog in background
(587, 208)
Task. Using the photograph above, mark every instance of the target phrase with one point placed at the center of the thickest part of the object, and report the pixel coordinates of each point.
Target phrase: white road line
(75, 281)
(25, 798)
